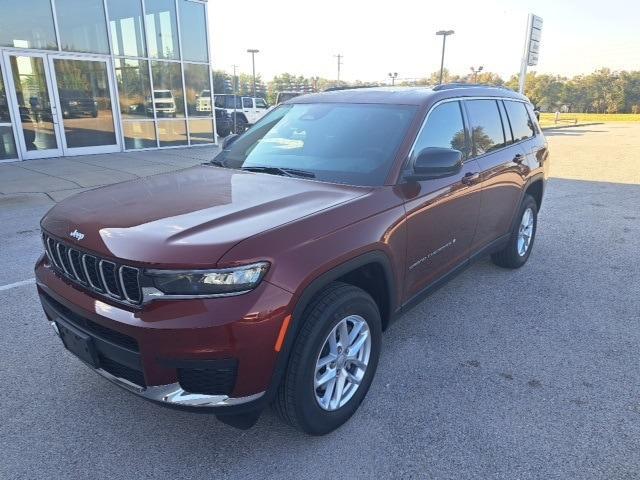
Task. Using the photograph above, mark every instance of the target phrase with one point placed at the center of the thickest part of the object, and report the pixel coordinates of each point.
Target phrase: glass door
(84, 95)
(29, 87)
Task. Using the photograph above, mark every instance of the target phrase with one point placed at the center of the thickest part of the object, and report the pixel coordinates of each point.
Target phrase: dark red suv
(268, 275)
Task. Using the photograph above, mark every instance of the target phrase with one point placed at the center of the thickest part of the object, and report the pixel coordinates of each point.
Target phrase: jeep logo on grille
(77, 235)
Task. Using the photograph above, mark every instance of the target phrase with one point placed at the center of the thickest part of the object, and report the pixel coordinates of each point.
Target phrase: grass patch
(548, 119)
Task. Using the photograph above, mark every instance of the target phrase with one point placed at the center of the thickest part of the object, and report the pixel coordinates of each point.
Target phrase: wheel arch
(376, 260)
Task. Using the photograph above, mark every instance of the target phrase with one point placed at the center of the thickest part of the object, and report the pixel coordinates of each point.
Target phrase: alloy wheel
(342, 362)
(525, 232)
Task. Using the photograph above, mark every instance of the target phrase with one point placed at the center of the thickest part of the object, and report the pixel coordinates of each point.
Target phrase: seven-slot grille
(104, 277)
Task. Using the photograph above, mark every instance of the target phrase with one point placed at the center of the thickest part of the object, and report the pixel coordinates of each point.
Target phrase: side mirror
(433, 162)
(228, 140)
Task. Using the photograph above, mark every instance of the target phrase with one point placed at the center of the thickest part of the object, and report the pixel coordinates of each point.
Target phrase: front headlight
(226, 281)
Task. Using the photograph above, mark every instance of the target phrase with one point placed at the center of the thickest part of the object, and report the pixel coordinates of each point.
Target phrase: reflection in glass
(172, 133)
(193, 31)
(7, 145)
(82, 26)
(486, 125)
(133, 87)
(196, 78)
(5, 117)
(139, 135)
(33, 102)
(85, 101)
(127, 31)
(201, 131)
(162, 31)
(167, 90)
(27, 24)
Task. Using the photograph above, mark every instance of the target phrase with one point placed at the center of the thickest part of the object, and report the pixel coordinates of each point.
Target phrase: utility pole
(235, 97)
(253, 52)
(339, 57)
(475, 72)
(393, 77)
(445, 34)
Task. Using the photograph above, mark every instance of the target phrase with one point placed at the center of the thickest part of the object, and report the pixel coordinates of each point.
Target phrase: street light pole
(475, 72)
(445, 34)
(393, 77)
(339, 57)
(253, 52)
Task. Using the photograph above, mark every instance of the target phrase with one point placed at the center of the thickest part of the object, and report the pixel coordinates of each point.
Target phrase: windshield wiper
(285, 172)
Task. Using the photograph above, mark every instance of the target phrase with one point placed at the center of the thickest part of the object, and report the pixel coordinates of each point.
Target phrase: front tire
(516, 253)
(333, 361)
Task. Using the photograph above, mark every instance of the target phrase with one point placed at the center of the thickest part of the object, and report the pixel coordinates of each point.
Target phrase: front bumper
(148, 351)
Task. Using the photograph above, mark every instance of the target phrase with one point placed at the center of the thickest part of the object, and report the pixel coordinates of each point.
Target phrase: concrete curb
(569, 126)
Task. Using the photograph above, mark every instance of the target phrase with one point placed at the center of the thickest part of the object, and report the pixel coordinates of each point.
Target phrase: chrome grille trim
(98, 288)
(104, 279)
(60, 259)
(55, 249)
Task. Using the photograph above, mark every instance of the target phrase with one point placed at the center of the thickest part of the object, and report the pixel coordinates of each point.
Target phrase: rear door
(441, 213)
(499, 159)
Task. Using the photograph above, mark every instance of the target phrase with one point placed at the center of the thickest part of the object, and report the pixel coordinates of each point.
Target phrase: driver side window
(444, 129)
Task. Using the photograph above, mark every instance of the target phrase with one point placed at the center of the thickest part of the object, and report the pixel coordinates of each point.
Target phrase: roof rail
(450, 86)
(347, 87)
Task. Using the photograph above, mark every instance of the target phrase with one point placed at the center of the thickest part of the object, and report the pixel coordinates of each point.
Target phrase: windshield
(161, 94)
(353, 144)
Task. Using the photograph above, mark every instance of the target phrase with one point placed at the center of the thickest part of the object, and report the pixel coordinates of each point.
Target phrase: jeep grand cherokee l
(268, 275)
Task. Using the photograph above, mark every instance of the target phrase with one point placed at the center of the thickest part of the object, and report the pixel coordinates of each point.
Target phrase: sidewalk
(57, 178)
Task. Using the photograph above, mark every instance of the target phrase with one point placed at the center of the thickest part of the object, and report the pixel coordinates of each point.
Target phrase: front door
(442, 213)
(64, 104)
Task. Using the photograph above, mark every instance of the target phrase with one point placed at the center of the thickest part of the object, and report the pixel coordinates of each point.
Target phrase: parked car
(77, 103)
(165, 104)
(269, 275)
(245, 110)
(203, 101)
(224, 125)
(282, 97)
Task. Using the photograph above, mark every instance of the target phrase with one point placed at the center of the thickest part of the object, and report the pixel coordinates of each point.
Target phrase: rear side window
(444, 129)
(521, 124)
(486, 126)
(247, 103)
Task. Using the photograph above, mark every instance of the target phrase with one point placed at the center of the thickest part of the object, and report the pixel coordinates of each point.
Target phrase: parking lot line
(17, 284)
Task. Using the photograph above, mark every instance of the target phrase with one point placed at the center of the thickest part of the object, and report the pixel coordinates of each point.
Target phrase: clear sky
(378, 37)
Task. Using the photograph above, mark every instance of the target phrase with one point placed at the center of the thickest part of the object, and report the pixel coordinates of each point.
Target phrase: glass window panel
(162, 31)
(27, 24)
(201, 131)
(85, 100)
(444, 129)
(486, 125)
(82, 26)
(196, 78)
(7, 145)
(34, 102)
(134, 88)
(193, 31)
(5, 117)
(172, 133)
(167, 89)
(127, 28)
(521, 124)
(139, 135)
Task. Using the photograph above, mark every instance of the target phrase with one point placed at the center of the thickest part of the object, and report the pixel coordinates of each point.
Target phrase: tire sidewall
(527, 202)
(315, 419)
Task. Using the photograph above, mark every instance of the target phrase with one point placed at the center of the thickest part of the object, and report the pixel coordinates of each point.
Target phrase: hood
(188, 218)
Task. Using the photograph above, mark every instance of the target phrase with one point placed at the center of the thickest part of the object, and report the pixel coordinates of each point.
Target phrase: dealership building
(99, 76)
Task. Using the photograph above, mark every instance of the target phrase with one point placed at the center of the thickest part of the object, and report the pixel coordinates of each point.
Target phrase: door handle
(470, 178)
(519, 158)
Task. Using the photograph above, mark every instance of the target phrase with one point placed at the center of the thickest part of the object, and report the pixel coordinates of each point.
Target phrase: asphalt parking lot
(500, 374)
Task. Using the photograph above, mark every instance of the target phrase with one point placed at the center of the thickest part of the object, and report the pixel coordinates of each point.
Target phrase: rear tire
(516, 253)
(304, 399)
(241, 125)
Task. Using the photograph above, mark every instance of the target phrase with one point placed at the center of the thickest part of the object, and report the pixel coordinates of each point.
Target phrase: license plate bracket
(78, 343)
